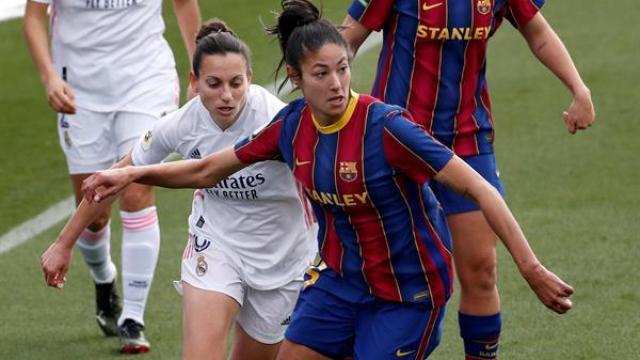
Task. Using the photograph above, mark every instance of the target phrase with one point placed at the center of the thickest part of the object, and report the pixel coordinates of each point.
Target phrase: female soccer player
(249, 241)
(433, 62)
(110, 75)
(386, 273)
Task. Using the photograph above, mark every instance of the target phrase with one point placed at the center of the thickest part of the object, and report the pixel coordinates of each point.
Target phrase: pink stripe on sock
(140, 223)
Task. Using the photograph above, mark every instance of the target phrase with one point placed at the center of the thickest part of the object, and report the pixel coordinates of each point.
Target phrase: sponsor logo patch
(348, 171)
(201, 266)
(484, 6)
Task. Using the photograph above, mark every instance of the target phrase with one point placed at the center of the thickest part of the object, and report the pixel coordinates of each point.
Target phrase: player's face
(325, 82)
(223, 86)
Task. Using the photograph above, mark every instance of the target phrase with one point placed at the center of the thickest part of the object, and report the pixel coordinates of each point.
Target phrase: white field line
(11, 9)
(63, 209)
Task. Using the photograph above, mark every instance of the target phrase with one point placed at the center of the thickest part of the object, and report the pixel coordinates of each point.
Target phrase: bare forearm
(84, 214)
(353, 33)
(549, 49)
(188, 16)
(506, 227)
(37, 37)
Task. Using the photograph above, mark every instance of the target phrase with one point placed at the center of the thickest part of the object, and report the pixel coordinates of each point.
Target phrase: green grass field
(577, 197)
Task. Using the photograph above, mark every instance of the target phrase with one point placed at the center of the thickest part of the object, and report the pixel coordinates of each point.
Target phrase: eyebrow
(323, 65)
(212, 77)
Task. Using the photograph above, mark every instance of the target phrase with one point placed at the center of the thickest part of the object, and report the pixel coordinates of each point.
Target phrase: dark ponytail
(216, 38)
(300, 28)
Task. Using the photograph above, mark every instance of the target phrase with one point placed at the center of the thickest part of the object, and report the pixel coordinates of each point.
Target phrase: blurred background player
(386, 277)
(110, 75)
(249, 239)
(433, 62)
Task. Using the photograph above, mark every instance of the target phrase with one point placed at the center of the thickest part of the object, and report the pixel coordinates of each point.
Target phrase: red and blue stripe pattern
(379, 227)
(433, 62)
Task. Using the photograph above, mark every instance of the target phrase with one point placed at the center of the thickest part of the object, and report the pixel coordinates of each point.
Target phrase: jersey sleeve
(263, 144)
(411, 150)
(157, 143)
(520, 12)
(41, 1)
(372, 14)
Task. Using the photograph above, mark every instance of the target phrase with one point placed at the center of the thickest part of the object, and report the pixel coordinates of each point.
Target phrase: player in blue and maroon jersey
(386, 274)
(433, 62)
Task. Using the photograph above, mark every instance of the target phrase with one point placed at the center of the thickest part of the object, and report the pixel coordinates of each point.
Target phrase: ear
(294, 75)
(193, 82)
(249, 76)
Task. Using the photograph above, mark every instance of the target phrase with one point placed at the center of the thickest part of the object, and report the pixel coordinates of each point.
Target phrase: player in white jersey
(249, 239)
(110, 75)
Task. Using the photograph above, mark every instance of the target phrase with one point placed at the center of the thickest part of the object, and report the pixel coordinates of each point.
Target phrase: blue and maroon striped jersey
(379, 228)
(433, 62)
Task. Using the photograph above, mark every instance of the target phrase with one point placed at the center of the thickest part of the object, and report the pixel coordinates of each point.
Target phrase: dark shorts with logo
(343, 327)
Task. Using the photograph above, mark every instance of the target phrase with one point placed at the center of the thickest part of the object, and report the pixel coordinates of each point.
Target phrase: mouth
(226, 110)
(336, 100)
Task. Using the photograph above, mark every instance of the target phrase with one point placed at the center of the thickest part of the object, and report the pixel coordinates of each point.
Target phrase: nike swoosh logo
(300, 163)
(491, 347)
(426, 7)
(404, 353)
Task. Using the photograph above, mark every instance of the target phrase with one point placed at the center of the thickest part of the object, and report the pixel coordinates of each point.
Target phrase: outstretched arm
(549, 49)
(550, 289)
(59, 93)
(201, 173)
(56, 260)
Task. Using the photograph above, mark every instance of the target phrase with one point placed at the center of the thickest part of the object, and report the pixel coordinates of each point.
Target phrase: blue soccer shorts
(362, 327)
(454, 203)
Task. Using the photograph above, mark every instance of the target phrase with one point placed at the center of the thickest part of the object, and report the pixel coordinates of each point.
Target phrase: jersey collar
(344, 119)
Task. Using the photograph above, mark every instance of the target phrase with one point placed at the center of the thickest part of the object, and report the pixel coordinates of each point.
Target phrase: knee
(100, 222)
(136, 197)
(479, 273)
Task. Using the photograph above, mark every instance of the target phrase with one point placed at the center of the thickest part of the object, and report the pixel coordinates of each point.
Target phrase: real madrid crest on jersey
(201, 266)
(348, 171)
(146, 141)
(484, 6)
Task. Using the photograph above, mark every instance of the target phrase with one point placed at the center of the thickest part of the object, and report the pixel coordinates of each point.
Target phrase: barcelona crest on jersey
(484, 6)
(348, 171)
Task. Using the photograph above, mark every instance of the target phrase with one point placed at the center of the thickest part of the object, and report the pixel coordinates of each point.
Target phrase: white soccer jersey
(113, 52)
(255, 212)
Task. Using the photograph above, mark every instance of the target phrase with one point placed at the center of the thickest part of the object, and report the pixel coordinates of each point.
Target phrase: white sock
(140, 247)
(95, 249)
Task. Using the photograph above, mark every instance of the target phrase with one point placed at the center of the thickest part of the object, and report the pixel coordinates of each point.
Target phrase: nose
(226, 94)
(334, 81)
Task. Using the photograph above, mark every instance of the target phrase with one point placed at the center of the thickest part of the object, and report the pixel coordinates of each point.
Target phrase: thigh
(266, 314)
(129, 128)
(321, 322)
(207, 266)
(389, 330)
(207, 319)
(86, 139)
(245, 347)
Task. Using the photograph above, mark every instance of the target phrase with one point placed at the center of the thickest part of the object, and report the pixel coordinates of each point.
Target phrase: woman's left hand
(580, 114)
(550, 289)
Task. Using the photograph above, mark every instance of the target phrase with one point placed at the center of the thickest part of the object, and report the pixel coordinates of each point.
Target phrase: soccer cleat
(108, 308)
(132, 340)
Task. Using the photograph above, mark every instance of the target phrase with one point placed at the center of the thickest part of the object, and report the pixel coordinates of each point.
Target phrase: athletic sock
(140, 247)
(95, 249)
(481, 335)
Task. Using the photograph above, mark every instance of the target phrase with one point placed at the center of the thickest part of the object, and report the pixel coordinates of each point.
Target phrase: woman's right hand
(104, 184)
(55, 262)
(60, 95)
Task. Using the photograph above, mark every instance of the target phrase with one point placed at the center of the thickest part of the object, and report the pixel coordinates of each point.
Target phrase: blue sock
(481, 335)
